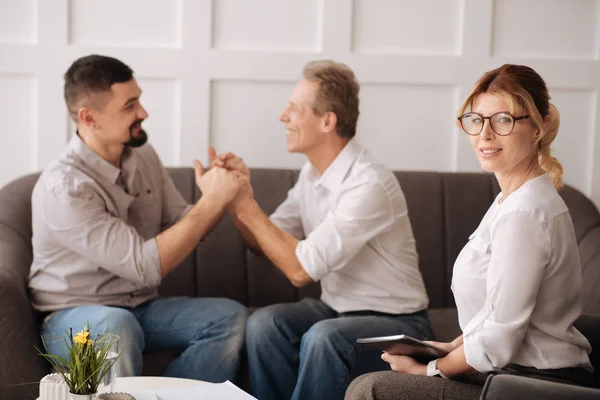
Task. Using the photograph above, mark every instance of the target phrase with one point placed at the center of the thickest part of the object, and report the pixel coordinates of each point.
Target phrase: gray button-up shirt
(94, 228)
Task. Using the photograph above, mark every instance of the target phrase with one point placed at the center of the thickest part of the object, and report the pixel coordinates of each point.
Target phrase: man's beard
(142, 137)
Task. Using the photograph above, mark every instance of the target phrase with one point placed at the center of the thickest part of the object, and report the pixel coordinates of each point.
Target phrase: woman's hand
(405, 364)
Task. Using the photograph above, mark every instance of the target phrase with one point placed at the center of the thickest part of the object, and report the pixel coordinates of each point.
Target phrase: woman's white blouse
(518, 285)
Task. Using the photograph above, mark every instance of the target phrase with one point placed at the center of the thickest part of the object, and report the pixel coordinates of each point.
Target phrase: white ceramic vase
(53, 387)
(82, 396)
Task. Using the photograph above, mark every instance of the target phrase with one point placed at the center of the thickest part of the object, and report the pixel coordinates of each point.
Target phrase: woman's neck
(512, 180)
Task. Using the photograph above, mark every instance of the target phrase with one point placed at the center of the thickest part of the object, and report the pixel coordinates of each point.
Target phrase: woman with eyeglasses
(517, 282)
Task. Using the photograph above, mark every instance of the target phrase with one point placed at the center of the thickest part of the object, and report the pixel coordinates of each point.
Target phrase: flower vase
(74, 396)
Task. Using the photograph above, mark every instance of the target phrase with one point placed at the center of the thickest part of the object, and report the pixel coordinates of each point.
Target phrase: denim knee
(239, 314)
(260, 325)
(122, 322)
(322, 336)
(236, 315)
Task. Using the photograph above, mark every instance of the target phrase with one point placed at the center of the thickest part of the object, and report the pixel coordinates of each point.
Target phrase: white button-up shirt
(358, 238)
(518, 284)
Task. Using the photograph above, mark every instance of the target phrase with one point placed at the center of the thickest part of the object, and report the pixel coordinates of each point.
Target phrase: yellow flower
(81, 337)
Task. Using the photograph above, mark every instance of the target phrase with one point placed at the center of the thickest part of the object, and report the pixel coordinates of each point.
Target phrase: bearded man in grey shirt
(108, 224)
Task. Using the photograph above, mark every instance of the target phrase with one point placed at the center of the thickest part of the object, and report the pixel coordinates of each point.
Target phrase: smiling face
(121, 118)
(503, 154)
(304, 128)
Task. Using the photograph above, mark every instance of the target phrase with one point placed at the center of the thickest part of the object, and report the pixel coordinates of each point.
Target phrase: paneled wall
(219, 72)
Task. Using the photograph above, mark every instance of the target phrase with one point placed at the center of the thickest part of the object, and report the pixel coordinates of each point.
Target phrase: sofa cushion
(445, 324)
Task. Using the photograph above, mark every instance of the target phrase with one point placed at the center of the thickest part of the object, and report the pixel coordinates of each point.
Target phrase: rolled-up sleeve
(78, 220)
(520, 252)
(360, 214)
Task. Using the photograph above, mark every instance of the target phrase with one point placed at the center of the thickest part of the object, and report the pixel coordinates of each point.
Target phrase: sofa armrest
(20, 367)
(513, 387)
(589, 325)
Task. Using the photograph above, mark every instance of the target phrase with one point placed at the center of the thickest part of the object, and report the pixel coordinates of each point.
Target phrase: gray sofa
(444, 209)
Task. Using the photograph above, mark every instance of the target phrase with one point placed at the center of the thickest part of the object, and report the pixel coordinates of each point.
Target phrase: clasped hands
(227, 181)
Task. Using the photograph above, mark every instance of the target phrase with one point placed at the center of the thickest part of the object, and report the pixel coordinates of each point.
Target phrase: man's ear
(86, 116)
(329, 121)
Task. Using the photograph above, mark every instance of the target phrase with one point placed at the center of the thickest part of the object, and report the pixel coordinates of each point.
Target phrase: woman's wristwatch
(432, 369)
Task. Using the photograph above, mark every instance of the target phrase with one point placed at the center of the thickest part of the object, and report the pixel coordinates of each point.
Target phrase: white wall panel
(125, 23)
(160, 98)
(17, 113)
(575, 135)
(245, 120)
(17, 21)
(267, 24)
(408, 26)
(546, 28)
(408, 127)
(220, 72)
(466, 158)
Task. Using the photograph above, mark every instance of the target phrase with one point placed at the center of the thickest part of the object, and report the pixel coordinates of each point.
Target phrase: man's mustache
(136, 123)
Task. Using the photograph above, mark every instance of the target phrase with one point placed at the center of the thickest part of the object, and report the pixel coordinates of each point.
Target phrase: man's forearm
(246, 235)
(177, 242)
(277, 246)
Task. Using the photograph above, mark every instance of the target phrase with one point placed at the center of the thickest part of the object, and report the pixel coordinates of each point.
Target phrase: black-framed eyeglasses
(502, 123)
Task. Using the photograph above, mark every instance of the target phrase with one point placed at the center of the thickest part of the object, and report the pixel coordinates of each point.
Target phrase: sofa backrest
(444, 208)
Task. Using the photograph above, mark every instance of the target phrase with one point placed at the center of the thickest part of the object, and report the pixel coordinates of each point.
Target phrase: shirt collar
(98, 164)
(335, 174)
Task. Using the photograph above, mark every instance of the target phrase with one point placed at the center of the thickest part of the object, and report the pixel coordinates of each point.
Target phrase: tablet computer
(404, 345)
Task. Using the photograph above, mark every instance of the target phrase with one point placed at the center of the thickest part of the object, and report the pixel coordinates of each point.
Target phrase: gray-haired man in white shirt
(344, 223)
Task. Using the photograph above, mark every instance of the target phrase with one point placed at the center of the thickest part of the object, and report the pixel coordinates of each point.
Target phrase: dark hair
(522, 85)
(90, 75)
(337, 93)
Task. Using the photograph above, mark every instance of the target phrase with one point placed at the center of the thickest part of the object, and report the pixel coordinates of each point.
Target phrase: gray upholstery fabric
(445, 323)
(502, 387)
(444, 209)
(265, 282)
(19, 331)
(589, 325)
(426, 212)
(181, 281)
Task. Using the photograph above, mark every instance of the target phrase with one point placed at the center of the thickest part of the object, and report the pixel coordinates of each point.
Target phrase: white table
(141, 383)
(177, 388)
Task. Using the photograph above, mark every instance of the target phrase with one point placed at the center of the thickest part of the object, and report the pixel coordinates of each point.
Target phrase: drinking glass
(110, 379)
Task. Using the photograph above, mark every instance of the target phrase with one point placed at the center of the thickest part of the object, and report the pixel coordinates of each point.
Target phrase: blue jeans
(208, 332)
(306, 350)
